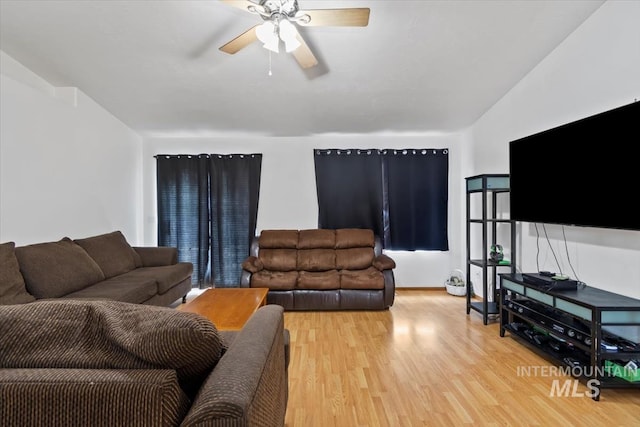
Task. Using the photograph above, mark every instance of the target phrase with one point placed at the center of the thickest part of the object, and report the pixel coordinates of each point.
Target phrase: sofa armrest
(249, 385)
(91, 397)
(155, 256)
(384, 262)
(389, 287)
(245, 279)
(250, 265)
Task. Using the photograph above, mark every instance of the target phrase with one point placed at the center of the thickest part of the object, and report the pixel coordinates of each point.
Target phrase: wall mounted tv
(584, 173)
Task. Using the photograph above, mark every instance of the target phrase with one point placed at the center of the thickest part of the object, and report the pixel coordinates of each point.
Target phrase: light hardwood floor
(425, 362)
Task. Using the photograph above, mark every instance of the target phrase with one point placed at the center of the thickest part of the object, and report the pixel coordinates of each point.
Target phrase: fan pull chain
(270, 73)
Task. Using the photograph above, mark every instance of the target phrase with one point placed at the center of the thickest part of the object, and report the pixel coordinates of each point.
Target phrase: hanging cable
(551, 247)
(566, 248)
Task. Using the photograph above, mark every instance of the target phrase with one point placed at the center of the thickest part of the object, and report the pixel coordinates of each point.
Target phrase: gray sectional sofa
(98, 267)
(70, 363)
(85, 341)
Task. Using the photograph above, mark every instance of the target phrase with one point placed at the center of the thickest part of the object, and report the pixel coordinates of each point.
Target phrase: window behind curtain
(207, 208)
(401, 194)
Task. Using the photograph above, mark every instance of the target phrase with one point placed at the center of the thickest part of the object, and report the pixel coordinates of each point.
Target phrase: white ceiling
(418, 66)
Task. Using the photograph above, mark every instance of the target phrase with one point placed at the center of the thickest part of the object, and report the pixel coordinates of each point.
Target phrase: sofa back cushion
(278, 239)
(12, 288)
(278, 259)
(354, 238)
(54, 269)
(316, 259)
(109, 335)
(111, 252)
(354, 258)
(316, 239)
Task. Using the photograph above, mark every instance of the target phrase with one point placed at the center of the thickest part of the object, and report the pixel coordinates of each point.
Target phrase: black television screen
(584, 173)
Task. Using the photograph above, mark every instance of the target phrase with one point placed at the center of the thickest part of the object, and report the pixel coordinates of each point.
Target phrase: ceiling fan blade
(354, 17)
(241, 41)
(241, 4)
(304, 56)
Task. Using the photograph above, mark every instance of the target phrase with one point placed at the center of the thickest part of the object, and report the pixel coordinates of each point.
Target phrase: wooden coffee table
(228, 308)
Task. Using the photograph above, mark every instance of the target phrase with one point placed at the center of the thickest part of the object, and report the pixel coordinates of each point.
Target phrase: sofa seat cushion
(166, 277)
(12, 287)
(321, 280)
(111, 252)
(135, 290)
(54, 269)
(277, 280)
(316, 260)
(109, 335)
(370, 278)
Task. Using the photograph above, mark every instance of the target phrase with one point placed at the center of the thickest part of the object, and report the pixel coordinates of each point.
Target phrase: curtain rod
(207, 155)
(369, 151)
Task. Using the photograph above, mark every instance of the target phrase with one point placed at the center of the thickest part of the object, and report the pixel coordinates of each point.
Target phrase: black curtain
(208, 208)
(402, 195)
(235, 185)
(417, 198)
(183, 209)
(350, 189)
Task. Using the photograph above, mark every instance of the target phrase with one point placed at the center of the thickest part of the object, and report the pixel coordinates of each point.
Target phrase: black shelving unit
(587, 329)
(487, 186)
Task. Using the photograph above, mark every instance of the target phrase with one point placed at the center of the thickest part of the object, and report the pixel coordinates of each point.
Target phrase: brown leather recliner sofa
(321, 269)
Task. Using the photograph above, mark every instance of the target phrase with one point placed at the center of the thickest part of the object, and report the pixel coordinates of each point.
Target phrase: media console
(595, 333)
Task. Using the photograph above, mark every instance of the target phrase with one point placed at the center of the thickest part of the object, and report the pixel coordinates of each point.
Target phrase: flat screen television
(583, 173)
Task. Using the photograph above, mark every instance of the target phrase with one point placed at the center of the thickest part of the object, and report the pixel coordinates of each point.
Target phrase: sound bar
(548, 284)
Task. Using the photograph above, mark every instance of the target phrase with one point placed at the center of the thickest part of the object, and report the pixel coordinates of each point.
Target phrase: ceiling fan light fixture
(281, 20)
(288, 35)
(291, 45)
(272, 45)
(266, 33)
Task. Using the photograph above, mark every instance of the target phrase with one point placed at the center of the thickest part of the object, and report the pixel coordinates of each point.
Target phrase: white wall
(595, 69)
(288, 193)
(67, 166)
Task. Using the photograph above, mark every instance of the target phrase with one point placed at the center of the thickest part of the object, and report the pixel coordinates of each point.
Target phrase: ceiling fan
(280, 20)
